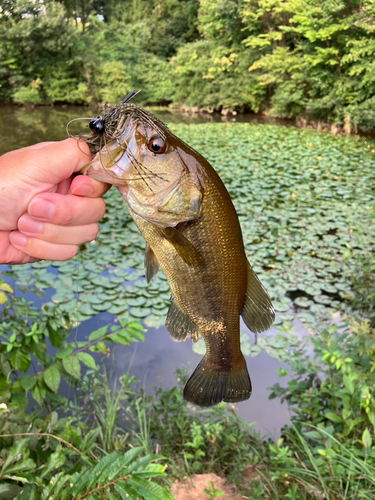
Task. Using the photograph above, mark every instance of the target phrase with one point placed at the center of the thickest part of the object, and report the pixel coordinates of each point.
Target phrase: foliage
(213, 492)
(196, 440)
(292, 58)
(362, 295)
(75, 459)
(329, 449)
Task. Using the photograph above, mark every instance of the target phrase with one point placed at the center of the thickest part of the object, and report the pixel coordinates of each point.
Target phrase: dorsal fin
(183, 247)
(257, 312)
(151, 264)
(179, 325)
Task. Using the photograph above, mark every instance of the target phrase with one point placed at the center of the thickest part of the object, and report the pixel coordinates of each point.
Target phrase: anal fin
(151, 264)
(258, 313)
(179, 325)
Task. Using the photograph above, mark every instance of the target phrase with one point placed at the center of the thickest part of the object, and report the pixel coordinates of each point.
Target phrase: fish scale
(192, 232)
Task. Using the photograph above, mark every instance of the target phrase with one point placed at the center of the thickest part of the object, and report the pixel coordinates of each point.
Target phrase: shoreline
(225, 115)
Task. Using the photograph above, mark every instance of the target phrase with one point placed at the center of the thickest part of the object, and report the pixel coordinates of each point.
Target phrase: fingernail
(17, 239)
(83, 190)
(28, 225)
(41, 209)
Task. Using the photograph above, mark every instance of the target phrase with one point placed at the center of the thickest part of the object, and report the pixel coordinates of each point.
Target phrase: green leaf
(55, 460)
(55, 337)
(86, 359)
(20, 360)
(19, 402)
(52, 378)
(86, 310)
(15, 452)
(72, 366)
(366, 439)
(280, 307)
(39, 393)
(17, 479)
(99, 347)
(121, 339)
(333, 416)
(126, 491)
(27, 382)
(9, 491)
(22, 466)
(99, 468)
(348, 384)
(39, 350)
(124, 461)
(101, 332)
(139, 312)
(64, 351)
(150, 490)
(255, 350)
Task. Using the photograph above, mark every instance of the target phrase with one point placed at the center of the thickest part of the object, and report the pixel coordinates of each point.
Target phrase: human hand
(44, 212)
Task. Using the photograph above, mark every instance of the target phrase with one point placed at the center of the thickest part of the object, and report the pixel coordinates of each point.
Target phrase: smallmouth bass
(185, 214)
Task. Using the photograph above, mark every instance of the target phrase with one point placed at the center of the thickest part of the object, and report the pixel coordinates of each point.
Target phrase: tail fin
(208, 387)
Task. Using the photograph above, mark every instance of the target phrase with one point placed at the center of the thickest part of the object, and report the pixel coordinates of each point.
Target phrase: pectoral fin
(257, 312)
(179, 325)
(183, 247)
(151, 264)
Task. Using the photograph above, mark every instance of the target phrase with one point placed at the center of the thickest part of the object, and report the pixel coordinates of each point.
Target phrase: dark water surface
(154, 361)
(23, 126)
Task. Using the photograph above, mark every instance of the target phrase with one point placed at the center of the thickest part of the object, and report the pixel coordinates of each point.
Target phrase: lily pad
(303, 302)
(280, 306)
(154, 321)
(139, 312)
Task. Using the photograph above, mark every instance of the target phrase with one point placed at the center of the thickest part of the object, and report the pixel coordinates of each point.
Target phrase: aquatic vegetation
(306, 207)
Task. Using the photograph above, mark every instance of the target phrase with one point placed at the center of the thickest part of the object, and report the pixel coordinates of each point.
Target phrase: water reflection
(157, 358)
(20, 126)
(154, 363)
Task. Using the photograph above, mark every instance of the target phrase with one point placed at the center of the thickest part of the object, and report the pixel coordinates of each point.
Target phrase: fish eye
(156, 145)
(97, 125)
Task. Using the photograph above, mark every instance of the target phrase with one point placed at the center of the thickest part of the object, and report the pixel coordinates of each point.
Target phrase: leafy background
(291, 58)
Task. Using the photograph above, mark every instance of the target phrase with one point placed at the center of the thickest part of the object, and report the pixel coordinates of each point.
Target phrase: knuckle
(69, 215)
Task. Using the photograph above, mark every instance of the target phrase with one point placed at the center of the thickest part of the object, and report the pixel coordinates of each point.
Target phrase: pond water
(23, 126)
(154, 361)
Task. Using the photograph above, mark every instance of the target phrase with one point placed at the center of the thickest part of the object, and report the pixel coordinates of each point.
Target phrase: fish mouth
(114, 160)
(122, 160)
(96, 171)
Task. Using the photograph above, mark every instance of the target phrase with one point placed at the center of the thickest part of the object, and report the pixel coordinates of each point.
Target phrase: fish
(184, 212)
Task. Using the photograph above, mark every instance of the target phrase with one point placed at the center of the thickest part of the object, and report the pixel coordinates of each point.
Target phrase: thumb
(57, 161)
